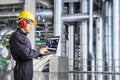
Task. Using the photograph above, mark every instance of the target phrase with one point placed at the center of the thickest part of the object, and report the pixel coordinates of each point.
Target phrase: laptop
(52, 44)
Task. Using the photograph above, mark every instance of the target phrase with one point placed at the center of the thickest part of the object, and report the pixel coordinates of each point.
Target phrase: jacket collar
(21, 31)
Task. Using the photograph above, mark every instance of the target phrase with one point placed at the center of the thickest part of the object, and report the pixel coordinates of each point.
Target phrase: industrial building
(89, 43)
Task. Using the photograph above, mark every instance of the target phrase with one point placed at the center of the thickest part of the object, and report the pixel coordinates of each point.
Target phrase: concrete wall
(59, 64)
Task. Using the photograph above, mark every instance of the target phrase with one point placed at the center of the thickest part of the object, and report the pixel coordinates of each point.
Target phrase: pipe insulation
(99, 45)
(84, 37)
(4, 31)
(43, 13)
(91, 50)
(47, 13)
(77, 17)
(71, 39)
(116, 35)
(58, 25)
(108, 35)
(9, 14)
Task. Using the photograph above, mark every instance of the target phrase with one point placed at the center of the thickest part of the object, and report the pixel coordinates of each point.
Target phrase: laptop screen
(52, 43)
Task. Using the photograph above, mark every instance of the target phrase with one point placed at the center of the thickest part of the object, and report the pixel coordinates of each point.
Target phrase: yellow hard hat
(27, 15)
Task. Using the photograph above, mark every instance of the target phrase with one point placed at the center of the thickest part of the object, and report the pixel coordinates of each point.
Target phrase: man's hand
(44, 51)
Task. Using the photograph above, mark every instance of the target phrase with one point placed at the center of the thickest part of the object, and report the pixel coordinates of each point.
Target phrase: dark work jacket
(23, 54)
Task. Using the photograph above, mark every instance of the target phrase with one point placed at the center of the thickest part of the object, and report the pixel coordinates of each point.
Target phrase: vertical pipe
(109, 44)
(117, 77)
(71, 47)
(108, 35)
(110, 23)
(32, 9)
(84, 39)
(116, 37)
(99, 45)
(91, 51)
(71, 39)
(58, 25)
(26, 5)
(91, 26)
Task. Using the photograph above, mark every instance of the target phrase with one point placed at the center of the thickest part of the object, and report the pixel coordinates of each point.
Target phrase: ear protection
(23, 23)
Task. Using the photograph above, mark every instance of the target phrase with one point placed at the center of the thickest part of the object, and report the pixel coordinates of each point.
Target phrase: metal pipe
(110, 23)
(84, 46)
(71, 39)
(95, 72)
(91, 51)
(99, 42)
(77, 17)
(9, 14)
(65, 17)
(47, 13)
(108, 35)
(58, 25)
(116, 37)
(74, 17)
(10, 2)
(91, 27)
(4, 31)
(84, 38)
(71, 46)
(99, 45)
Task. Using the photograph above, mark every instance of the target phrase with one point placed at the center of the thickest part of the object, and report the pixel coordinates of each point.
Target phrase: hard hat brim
(34, 23)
